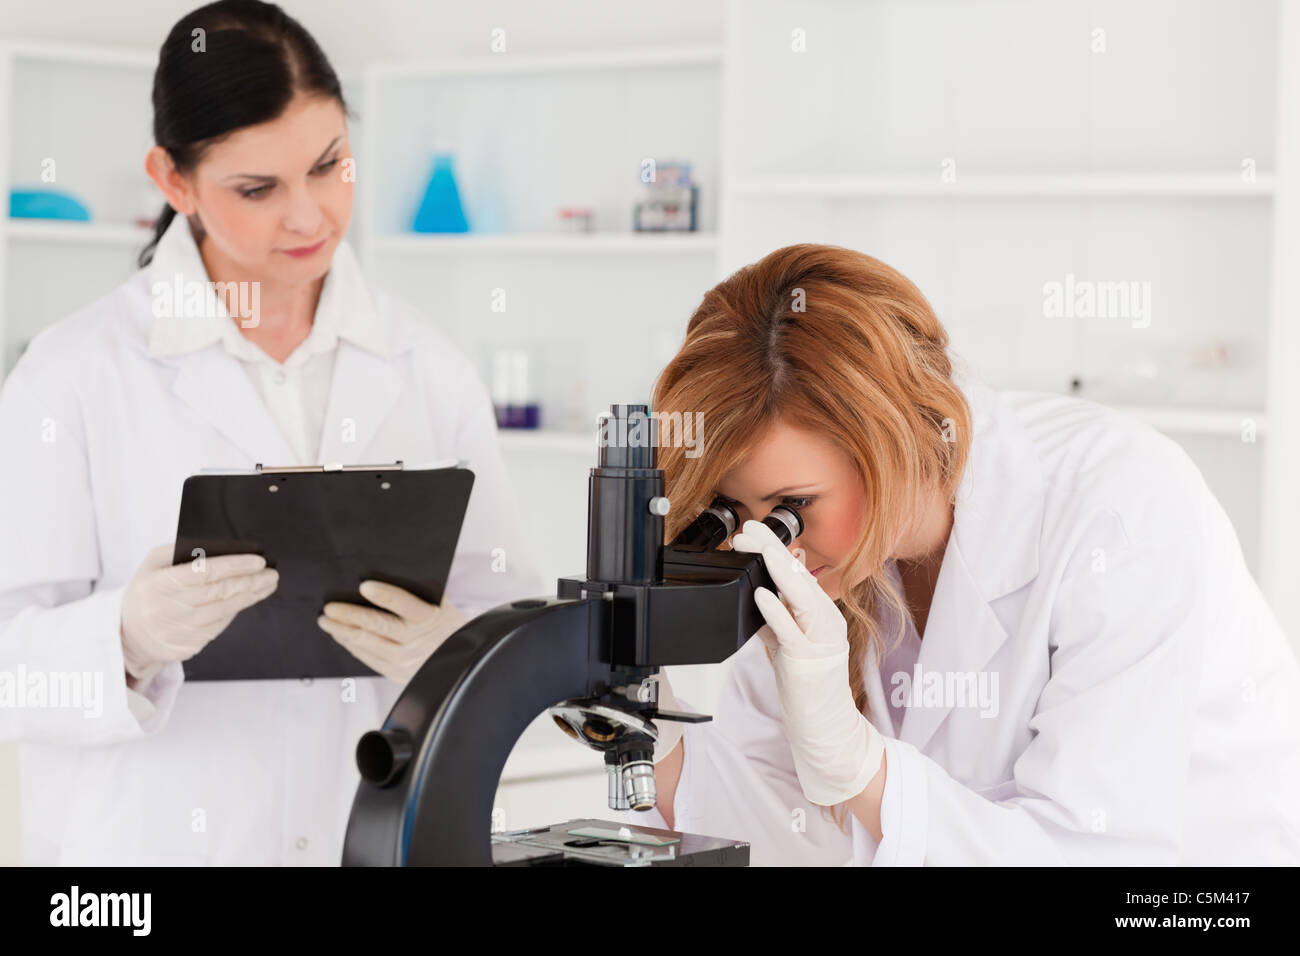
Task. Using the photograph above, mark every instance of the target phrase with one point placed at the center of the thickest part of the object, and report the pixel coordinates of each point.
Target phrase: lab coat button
(302, 843)
(306, 681)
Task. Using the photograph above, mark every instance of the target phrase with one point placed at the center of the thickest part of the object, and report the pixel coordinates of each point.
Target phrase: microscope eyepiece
(719, 521)
(715, 525)
(786, 522)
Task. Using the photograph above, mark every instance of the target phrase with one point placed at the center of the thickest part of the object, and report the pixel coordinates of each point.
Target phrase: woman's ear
(175, 188)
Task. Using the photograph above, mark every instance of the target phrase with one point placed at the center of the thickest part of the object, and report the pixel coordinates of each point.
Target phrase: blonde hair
(835, 342)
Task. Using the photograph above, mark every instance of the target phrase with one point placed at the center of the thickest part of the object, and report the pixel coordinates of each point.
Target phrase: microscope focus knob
(382, 755)
(659, 505)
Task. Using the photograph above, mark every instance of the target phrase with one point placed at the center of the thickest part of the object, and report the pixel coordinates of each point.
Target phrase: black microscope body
(589, 656)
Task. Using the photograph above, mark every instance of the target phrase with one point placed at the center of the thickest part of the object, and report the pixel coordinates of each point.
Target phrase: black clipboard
(325, 528)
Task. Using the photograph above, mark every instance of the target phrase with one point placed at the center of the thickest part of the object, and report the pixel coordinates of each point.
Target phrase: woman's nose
(304, 214)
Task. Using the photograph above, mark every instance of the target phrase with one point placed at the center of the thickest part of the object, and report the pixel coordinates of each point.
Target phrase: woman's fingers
(787, 631)
(792, 579)
(233, 600)
(768, 637)
(220, 568)
(158, 557)
(398, 600)
(216, 592)
(365, 646)
(386, 625)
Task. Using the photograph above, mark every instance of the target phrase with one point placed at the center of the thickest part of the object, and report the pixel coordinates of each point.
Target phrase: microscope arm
(430, 775)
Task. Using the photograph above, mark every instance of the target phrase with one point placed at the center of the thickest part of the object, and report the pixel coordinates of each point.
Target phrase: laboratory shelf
(1172, 420)
(644, 243)
(97, 233)
(1008, 186)
(547, 441)
(81, 55)
(581, 61)
(1175, 420)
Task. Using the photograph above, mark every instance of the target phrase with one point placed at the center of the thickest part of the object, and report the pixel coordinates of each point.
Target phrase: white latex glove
(393, 644)
(170, 612)
(836, 749)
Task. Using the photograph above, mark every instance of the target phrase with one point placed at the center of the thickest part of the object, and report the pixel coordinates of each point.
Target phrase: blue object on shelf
(45, 204)
(440, 210)
(519, 416)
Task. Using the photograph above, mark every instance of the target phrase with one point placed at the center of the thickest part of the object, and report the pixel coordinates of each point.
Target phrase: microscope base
(589, 842)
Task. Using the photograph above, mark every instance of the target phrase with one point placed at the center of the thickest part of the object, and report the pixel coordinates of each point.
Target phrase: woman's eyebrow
(775, 494)
(271, 179)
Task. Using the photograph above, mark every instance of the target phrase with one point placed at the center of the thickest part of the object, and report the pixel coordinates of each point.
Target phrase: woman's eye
(798, 504)
(326, 167)
(256, 193)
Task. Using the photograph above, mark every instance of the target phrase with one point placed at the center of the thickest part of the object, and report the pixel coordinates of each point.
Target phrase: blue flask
(440, 210)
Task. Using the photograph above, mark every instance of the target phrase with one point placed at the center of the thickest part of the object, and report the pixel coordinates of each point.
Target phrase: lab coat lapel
(992, 551)
(363, 392)
(208, 378)
(365, 384)
(215, 385)
(961, 634)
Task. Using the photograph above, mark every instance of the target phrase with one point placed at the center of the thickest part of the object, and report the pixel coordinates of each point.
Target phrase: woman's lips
(819, 570)
(303, 251)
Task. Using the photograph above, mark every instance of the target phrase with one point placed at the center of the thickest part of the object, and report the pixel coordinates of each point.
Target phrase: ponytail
(164, 220)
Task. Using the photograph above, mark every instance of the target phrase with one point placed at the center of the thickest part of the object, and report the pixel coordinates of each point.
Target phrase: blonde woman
(1016, 629)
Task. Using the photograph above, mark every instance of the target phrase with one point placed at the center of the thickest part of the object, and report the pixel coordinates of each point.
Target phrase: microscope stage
(602, 843)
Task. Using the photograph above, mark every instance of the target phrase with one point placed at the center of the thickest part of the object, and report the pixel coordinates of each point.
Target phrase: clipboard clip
(398, 465)
(295, 469)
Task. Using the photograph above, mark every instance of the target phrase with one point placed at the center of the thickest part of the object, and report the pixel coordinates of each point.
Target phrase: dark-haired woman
(248, 335)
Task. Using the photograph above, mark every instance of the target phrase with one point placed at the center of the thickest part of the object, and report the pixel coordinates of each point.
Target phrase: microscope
(589, 657)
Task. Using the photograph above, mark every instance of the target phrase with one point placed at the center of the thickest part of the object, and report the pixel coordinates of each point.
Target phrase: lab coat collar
(363, 389)
(992, 551)
(343, 312)
(998, 514)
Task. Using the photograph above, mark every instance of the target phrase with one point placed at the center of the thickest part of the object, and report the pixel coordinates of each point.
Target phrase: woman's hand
(837, 751)
(393, 644)
(171, 611)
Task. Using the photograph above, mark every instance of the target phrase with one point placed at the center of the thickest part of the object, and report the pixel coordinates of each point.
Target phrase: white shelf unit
(92, 155)
(986, 185)
(984, 166)
(647, 244)
(598, 312)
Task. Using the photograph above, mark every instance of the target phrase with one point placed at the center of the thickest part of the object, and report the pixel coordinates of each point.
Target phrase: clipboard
(325, 528)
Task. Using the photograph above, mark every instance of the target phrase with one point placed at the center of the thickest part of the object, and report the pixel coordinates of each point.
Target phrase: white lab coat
(1148, 703)
(98, 437)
